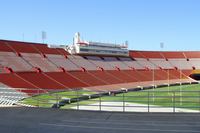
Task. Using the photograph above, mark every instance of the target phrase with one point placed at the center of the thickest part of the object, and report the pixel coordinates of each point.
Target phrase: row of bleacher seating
(114, 62)
(37, 61)
(61, 61)
(78, 79)
(178, 63)
(82, 62)
(31, 56)
(161, 62)
(50, 62)
(4, 101)
(25, 47)
(10, 96)
(100, 62)
(28, 47)
(11, 60)
(165, 54)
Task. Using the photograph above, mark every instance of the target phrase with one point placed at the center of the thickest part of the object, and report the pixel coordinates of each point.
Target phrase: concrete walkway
(130, 107)
(40, 120)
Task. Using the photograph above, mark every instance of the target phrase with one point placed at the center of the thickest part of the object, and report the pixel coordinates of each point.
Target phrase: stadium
(96, 76)
(102, 66)
(34, 74)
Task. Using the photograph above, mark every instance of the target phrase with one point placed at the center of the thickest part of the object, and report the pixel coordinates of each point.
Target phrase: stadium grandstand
(29, 68)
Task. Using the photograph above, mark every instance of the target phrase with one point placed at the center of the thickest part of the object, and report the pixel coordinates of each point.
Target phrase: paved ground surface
(35, 120)
(130, 107)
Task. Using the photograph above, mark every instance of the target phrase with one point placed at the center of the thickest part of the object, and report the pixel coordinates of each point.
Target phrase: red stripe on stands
(4, 47)
(103, 75)
(193, 54)
(21, 47)
(62, 51)
(173, 54)
(88, 78)
(66, 79)
(14, 81)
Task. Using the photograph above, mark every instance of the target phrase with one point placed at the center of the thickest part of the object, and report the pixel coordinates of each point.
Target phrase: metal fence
(123, 100)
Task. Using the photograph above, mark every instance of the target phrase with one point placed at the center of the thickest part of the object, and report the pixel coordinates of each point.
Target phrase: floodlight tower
(44, 36)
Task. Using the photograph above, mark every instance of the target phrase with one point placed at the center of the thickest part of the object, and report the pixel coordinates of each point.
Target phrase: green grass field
(48, 99)
(186, 96)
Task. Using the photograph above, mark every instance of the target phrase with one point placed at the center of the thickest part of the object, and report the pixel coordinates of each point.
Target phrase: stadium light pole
(44, 36)
(23, 37)
(162, 45)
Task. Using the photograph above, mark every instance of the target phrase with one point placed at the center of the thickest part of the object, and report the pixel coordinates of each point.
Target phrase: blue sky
(144, 23)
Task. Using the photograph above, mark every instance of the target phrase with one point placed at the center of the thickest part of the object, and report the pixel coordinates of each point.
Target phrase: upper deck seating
(131, 63)
(192, 54)
(43, 48)
(161, 63)
(62, 51)
(4, 47)
(22, 47)
(168, 55)
(145, 63)
(81, 62)
(100, 63)
(61, 61)
(116, 63)
(9, 59)
(181, 63)
(136, 54)
(29, 47)
(195, 62)
(36, 60)
(151, 54)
